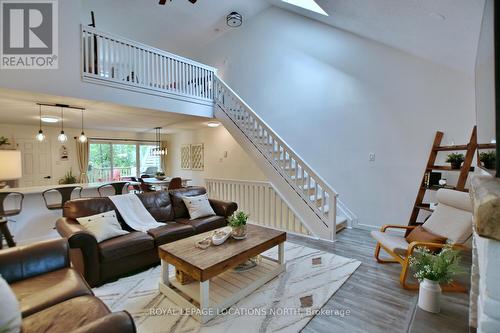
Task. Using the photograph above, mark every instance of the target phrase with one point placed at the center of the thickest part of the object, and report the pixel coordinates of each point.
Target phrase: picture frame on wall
(185, 157)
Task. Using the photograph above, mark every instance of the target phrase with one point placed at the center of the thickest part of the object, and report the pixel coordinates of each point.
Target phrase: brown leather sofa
(53, 296)
(116, 257)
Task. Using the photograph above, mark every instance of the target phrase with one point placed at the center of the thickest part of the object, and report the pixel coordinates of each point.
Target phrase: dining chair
(117, 188)
(175, 183)
(64, 192)
(5, 213)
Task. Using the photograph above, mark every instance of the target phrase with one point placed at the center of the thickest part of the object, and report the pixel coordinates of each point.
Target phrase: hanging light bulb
(82, 138)
(62, 138)
(40, 137)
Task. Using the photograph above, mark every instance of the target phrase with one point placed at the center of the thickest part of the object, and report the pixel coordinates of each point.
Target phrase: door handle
(47, 177)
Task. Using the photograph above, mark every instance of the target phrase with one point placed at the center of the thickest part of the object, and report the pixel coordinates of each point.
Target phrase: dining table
(163, 183)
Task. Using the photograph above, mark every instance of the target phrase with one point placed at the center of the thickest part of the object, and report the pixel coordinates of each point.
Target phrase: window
(149, 164)
(307, 4)
(113, 161)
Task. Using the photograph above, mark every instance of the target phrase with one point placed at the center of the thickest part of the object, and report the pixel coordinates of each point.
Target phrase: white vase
(429, 297)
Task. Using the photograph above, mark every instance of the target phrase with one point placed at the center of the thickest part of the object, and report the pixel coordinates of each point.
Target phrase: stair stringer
(299, 207)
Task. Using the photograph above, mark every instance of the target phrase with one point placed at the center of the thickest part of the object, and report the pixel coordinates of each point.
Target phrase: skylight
(307, 4)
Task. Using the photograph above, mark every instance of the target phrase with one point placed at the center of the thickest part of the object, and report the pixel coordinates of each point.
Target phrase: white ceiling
(413, 26)
(19, 107)
(178, 26)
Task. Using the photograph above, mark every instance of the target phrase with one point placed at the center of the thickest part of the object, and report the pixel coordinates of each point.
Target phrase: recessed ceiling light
(437, 16)
(49, 119)
(307, 4)
(213, 124)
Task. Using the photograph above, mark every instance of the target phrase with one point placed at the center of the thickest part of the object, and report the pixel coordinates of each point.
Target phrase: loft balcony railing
(115, 60)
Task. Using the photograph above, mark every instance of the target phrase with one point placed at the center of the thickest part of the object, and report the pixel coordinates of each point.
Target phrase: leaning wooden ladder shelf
(470, 149)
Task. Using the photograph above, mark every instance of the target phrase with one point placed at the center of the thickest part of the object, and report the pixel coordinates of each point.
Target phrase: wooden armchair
(452, 219)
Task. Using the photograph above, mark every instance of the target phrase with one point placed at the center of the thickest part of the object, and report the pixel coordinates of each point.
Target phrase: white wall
(217, 141)
(336, 97)
(60, 168)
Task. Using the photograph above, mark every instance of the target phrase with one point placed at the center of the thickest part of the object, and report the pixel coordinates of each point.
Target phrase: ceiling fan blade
(162, 2)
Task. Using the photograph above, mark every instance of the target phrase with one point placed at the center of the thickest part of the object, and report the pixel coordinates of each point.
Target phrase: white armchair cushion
(452, 217)
(395, 243)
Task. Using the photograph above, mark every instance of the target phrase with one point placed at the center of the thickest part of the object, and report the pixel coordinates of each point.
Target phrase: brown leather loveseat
(54, 298)
(136, 250)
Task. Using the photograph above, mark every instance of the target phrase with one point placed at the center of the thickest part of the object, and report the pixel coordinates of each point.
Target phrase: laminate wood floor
(374, 298)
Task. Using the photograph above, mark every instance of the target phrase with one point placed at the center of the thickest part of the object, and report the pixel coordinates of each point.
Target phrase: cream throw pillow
(198, 206)
(103, 226)
(10, 312)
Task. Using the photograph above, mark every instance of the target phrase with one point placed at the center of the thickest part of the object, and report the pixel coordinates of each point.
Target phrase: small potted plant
(455, 160)
(160, 175)
(238, 221)
(431, 269)
(488, 159)
(68, 178)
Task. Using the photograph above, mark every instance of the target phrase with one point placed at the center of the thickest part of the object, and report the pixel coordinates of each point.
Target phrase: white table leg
(164, 273)
(281, 253)
(205, 301)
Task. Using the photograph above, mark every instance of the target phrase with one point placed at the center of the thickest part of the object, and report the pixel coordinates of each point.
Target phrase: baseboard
(377, 227)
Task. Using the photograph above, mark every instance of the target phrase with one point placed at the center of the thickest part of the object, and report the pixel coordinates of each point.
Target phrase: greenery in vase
(4, 141)
(441, 267)
(455, 158)
(160, 174)
(488, 158)
(238, 219)
(68, 178)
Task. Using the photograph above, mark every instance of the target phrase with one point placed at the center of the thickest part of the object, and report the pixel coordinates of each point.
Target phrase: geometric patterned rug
(284, 304)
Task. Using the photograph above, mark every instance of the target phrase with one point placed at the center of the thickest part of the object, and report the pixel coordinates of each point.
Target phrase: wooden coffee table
(216, 285)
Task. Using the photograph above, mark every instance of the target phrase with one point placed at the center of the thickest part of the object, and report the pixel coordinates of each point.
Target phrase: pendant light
(62, 138)
(82, 138)
(40, 137)
(158, 151)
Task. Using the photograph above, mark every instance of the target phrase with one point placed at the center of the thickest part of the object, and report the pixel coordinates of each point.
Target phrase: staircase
(305, 192)
(125, 64)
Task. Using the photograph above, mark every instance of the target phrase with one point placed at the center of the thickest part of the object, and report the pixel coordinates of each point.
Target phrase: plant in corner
(488, 159)
(68, 178)
(238, 221)
(455, 159)
(431, 269)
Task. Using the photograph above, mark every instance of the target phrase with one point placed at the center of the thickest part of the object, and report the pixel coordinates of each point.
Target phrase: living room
(273, 165)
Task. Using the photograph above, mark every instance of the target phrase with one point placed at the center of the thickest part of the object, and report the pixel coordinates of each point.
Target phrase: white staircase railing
(122, 63)
(118, 61)
(314, 191)
(260, 200)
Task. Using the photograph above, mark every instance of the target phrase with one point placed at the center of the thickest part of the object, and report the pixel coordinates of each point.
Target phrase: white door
(36, 159)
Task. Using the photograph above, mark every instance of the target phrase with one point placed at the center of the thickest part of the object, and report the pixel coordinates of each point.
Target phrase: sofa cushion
(158, 204)
(66, 316)
(180, 210)
(103, 225)
(172, 231)
(198, 206)
(42, 291)
(126, 245)
(204, 224)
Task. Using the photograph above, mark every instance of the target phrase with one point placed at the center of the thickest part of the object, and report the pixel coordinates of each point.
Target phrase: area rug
(285, 304)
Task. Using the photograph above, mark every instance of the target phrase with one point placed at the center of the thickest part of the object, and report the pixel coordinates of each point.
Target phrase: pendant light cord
(40, 114)
(62, 119)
